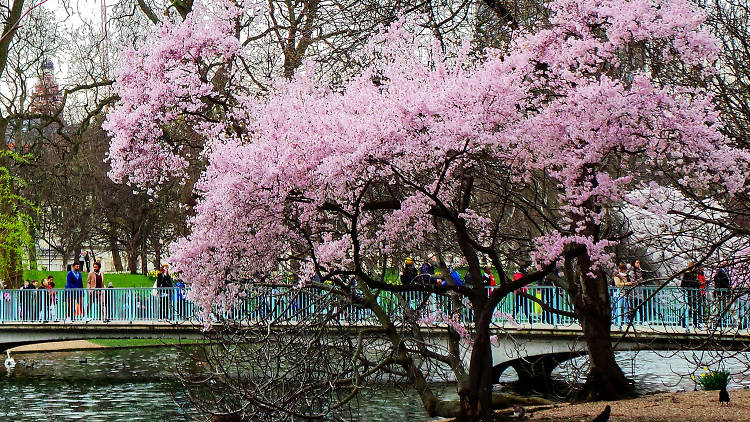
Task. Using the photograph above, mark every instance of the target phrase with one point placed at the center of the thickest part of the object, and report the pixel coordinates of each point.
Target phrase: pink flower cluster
(166, 82)
(562, 102)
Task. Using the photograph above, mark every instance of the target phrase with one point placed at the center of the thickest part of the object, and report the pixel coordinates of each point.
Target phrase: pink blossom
(558, 104)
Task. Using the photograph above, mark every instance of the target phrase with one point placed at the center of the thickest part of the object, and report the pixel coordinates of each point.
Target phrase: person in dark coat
(87, 261)
(722, 281)
(74, 282)
(163, 282)
(722, 291)
(427, 272)
(26, 300)
(693, 295)
(410, 273)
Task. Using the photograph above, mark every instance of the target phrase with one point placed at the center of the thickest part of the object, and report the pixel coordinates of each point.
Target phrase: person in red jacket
(488, 277)
(702, 281)
(521, 303)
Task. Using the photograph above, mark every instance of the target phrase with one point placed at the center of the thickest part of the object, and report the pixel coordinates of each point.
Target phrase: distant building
(46, 98)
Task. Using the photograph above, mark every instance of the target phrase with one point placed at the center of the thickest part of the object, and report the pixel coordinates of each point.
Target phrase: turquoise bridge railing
(643, 306)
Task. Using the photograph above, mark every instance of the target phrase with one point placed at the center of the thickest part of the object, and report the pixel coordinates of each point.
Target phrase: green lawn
(117, 279)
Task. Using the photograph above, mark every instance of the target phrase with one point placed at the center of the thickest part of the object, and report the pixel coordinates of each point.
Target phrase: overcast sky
(73, 13)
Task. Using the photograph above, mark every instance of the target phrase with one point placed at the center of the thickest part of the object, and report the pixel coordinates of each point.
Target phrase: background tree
(15, 225)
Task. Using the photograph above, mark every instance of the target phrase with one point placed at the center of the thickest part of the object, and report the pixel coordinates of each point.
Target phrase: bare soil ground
(57, 346)
(693, 406)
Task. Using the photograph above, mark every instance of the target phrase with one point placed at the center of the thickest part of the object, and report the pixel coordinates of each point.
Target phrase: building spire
(46, 98)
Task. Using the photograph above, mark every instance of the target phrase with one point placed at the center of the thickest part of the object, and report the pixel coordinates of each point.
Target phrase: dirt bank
(57, 346)
(695, 406)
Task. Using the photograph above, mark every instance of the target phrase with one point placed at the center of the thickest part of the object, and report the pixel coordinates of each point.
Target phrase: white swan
(9, 361)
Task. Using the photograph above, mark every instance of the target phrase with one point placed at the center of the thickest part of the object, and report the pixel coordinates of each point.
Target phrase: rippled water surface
(138, 384)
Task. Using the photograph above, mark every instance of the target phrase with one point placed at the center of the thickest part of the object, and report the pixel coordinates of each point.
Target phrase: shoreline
(688, 406)
(75, 345)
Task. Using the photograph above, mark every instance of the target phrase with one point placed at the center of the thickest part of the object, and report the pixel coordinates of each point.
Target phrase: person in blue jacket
(455, 276)
(74, 280)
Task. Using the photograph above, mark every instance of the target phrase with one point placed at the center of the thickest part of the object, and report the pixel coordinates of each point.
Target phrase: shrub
(713, 380)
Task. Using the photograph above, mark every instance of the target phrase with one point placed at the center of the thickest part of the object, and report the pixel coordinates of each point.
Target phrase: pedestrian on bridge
(179, 298)
(623, 284)
(164, 283)
(25, 300)
(74, 291)
(410, 273)
(51, 302)
(6, 305)
(36, 300)
(636, 294)
(95, 280)
(520, 303)
(43, 293)
(692, 284)
(722, 292)
(427, 271)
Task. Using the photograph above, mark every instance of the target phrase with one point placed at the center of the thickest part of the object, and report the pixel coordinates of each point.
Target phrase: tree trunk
(77, 256)
(476, 394)
(144, 262)
(13, 273)
(133, 258)
(114, 247)
(605, 380)
(156, 246)
(32, 249)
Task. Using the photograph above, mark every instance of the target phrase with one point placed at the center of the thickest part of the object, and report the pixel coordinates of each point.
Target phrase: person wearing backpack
(426, 272)
(409, 275)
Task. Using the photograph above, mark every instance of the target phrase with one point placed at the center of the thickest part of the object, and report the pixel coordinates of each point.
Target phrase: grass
(136, 342)
(117, 279)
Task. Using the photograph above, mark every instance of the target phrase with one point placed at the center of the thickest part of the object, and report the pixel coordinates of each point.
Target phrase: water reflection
(138, 384)
(92, 385)
(667, 371)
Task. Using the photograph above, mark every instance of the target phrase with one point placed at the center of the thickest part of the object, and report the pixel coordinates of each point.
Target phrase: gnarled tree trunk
(590, 296)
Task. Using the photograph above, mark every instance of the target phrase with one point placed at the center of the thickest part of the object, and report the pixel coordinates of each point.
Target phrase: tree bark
(133, 259)
(156, 247)
(144, 262)
(9, 30)
(32, 250)
(476, 395)
(605, 380)
(114, 247)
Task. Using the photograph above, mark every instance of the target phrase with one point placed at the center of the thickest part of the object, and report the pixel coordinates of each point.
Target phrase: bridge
(529, 339)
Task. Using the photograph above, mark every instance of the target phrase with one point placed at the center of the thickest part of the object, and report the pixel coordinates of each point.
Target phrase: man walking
(164, 282)
(87, 261)
(74, 292)
(691, 284)
(95, 280)
(722, 292)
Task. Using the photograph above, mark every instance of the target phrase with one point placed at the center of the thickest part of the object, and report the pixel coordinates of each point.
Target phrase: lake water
(137, 384)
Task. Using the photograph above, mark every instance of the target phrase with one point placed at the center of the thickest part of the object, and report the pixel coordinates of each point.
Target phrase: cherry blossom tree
(523, 155)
